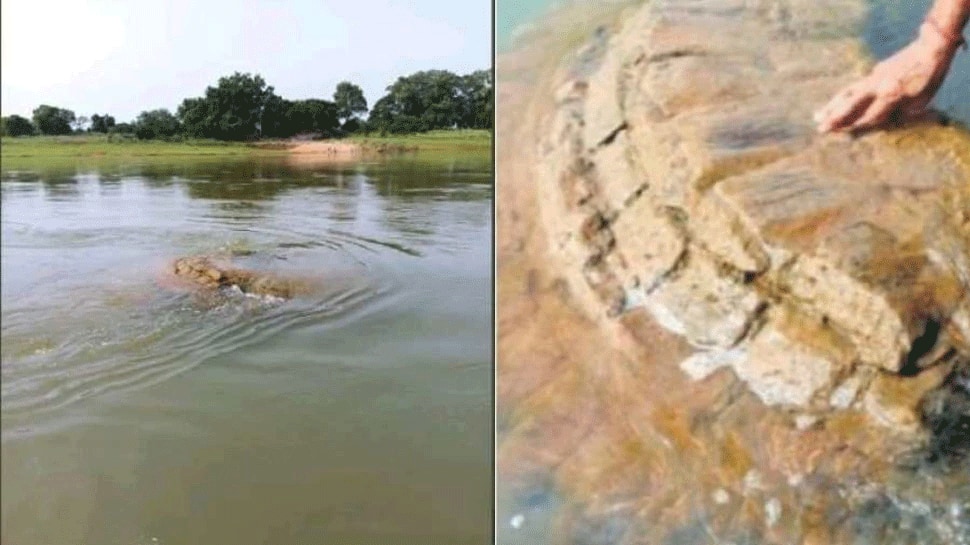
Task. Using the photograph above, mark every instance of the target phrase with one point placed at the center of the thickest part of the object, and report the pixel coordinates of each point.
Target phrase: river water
(360, 412)
(891, 25)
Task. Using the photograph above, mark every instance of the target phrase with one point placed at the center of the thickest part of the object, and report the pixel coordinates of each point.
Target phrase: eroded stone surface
(211, 273)
(686, 177)
(604, 208)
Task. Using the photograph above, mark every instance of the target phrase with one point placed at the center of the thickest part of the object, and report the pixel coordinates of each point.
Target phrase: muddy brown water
(602, 440)
(359, 412)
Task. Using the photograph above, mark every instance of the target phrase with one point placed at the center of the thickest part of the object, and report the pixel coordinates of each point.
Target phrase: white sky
(122, 57)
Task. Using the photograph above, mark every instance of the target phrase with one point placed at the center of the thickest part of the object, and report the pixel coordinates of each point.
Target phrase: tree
(194, 116)
(101, 124)
(122, 128)
(350, 101)
(420, 102)
(353, 125)
(232, 110)
(285, 118)
(80, 123)
(156, 124)
(275, 121)
(387, 115)
(53, 120)
(16, 125)
(477, 97)
(313, 116)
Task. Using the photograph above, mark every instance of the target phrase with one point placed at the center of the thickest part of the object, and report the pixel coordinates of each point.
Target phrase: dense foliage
(350, 101)
(123, 128)
(156, 124)
(16, 125)
(479, 100)
(101, 123)
(435, 99)
(286, 118)
(243, 107)
(232, 110)
(53, 120)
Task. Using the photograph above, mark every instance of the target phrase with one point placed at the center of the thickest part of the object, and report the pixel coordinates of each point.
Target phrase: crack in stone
(769, 281)
(637, 193)
(722, 239)
(609, 138)
(676, 54)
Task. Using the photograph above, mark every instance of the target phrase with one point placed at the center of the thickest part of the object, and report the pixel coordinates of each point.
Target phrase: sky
(120, 57)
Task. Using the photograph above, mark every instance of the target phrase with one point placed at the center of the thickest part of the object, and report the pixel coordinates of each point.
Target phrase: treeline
(243, 107)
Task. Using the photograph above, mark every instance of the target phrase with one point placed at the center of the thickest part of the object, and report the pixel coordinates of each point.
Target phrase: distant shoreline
(94, 147)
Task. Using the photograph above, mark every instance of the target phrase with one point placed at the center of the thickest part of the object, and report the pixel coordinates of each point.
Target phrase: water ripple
(171, 335)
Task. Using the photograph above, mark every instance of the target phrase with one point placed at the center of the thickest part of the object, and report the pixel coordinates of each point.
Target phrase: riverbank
(458, 140)
(85, 146)
(42, 148)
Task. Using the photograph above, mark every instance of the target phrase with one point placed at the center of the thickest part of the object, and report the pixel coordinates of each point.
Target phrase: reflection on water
(359, 412)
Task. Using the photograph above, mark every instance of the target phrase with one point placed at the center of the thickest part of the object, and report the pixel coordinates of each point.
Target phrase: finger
(846, 113)
(846, 101)
(837, 102)
(877, 113)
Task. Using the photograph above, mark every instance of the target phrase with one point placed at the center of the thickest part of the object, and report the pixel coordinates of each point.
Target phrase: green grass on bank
(94, 146)
(466, 139)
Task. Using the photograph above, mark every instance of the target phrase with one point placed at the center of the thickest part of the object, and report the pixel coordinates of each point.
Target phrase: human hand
(902, 86)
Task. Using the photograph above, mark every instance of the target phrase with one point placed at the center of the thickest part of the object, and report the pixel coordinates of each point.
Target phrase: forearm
(943, 26)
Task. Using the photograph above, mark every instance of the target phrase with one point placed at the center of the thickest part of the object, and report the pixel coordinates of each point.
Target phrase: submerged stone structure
(212, 273)
(716, 325)
(681, 177)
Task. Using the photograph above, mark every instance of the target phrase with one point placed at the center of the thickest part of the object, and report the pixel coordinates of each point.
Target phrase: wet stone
(840, 233)
(708, 308)
(213, 273)
(818, 284)
(751, 133)
(781, 372)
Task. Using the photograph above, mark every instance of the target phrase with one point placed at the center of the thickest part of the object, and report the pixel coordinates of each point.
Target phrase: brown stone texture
(212, 273)
(685, 174)
(714, 324)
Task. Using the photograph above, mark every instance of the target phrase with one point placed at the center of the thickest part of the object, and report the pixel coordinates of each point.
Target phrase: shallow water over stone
(714, 325)
(890, 25)
(355, 411)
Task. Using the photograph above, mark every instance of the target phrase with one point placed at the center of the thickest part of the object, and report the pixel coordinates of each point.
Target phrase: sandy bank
(327, 147)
